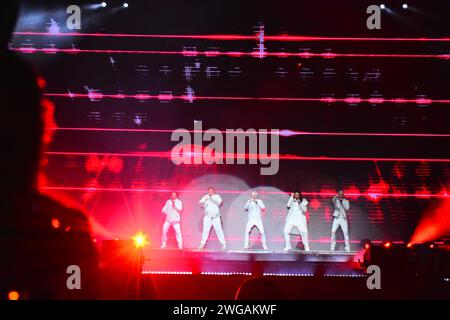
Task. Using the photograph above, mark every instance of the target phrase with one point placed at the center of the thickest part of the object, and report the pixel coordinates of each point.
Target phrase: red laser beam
(317, 194)
(234, 54)
(230, 37)
(170, 97)
(167, 154)
(281, 133)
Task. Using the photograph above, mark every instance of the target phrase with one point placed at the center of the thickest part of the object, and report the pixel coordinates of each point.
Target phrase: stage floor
(252, 262)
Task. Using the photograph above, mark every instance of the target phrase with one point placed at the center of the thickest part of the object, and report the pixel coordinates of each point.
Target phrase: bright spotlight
(125, 5)
(103, 4)
(405, 6)
(382, 6)
(140, 240)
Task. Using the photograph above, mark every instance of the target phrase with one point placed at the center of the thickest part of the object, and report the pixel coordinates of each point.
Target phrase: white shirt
(254, 208)
(296, 209)
(340, 208)
(172, 210)
(211, 205)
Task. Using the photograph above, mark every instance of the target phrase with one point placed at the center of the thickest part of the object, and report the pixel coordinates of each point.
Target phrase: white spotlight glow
(125, 5)
(103, 4)
(405, 6)
(382, 6)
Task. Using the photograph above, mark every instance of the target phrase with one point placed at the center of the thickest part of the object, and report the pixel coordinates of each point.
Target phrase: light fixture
(382, 6)
(103, 4)
(405, 6)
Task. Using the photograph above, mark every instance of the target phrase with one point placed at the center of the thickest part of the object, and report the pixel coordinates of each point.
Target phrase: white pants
(339, 222)
(301, 225)
(250, 224)
(215, 222)
(177, 227)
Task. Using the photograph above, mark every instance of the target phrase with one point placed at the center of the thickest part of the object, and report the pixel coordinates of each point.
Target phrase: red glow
(93, 164)
(387, 245)
(376, 190)
(314, 204)
(186, 98)
(115, 165)
(233, 37)
(48, 112)
(352, 192)
(434, 224)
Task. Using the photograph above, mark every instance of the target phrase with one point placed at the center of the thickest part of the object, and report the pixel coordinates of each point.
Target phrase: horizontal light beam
(167, 154)
(233, 54)
(230, 37)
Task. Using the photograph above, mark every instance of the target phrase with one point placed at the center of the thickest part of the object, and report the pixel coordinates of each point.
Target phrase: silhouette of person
(46, 248)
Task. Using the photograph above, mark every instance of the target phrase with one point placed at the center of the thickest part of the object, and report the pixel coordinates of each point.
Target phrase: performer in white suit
(296, 218)
(172, 210)
(211, 203)
(254, 206)
(341, 206)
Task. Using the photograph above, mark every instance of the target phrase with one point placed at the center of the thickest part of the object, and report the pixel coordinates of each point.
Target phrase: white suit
(296, 218)
(340, 220)
(172, 210)
(254, 208)
(211, 206)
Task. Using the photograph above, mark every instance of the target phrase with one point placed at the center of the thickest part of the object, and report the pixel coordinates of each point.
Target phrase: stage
(252, 262)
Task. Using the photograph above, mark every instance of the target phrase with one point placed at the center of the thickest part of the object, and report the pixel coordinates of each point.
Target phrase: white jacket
(340, 207)
(172, 210)
(296, 209)
(211, 205)
(254, 208)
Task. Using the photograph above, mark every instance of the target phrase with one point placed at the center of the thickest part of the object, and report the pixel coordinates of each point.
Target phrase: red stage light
(41, 83)
(387, 245)
(55, 223)
(13, 295)
(435, 223)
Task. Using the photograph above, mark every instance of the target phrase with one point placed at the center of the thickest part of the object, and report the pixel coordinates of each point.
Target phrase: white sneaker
(332, 249)
(180, 247)
(224, 247)
(307, 249)
(202, 246)
(286, 249)
(163, 246)
(265, 246)
(246, 247)
(347, 249)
